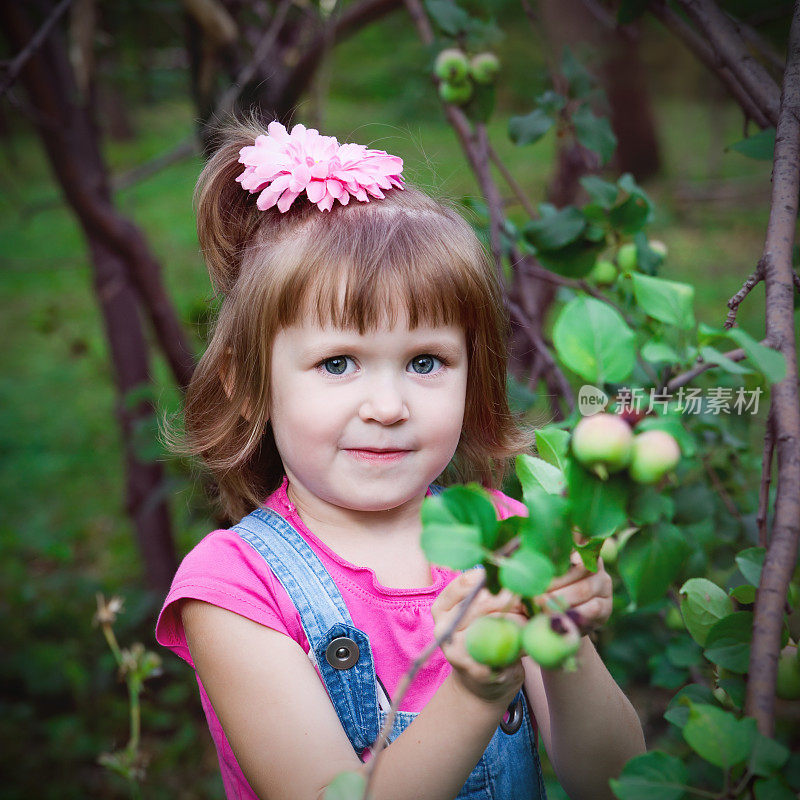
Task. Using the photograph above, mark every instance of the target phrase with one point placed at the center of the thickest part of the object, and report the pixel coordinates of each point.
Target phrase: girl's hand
(491, 685)
(587, 595)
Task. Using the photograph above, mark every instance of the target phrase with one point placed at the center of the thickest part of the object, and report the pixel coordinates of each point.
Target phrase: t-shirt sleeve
(507, 506)
(222, 569)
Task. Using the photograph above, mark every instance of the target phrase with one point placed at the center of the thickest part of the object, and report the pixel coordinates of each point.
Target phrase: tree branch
(734, 54)
(33, 45)
(754, 107)
(766, 478)
(735, 301)
(778, 278)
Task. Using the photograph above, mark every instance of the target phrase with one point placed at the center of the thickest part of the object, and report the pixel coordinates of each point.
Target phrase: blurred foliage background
(64, 534)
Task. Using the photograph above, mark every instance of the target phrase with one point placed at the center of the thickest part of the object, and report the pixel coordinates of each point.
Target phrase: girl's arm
(285, 732)
(588, 725)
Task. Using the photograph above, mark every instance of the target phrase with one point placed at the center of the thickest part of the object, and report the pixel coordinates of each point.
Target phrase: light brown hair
(348, 267)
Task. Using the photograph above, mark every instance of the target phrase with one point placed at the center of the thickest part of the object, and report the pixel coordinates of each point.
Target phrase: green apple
(451, 65)
(546, 644)
(496, 641)
(456, 93)
(654, 454)
(602, 443)
(626, 257)
(609, 550)
(604, 272)
(657, 246)
(484, 67)
(787, 686)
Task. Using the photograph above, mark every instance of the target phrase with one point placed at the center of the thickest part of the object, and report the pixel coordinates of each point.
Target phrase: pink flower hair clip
(282, 165)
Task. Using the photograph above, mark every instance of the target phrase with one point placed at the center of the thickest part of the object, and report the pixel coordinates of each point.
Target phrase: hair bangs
(380, 266)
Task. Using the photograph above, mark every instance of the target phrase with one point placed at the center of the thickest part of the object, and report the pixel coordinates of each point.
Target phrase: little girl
(359, 355)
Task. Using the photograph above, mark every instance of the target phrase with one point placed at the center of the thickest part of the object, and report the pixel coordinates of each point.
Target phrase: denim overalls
(509, 769)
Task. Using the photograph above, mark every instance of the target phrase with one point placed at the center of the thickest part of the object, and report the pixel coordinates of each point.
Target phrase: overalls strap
(340, 650)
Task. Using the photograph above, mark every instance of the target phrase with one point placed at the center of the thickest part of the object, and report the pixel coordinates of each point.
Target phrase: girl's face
(366, 422)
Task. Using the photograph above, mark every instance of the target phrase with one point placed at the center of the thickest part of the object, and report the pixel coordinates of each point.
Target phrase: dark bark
(287, 70)
(785, 408)
(118, 252)
(623, 76)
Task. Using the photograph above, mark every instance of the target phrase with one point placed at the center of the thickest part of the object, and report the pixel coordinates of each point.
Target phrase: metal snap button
(514, 721)
(342, 653)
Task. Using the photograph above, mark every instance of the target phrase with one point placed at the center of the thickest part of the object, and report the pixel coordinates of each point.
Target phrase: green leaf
(750, 563)
(455, 546)
(668, 301)
(579, 80)
(770, 362)
(717, 736)
(555, 229)
(744, 594)
(631, 215)
(703, 604)
(728, 641)
(683, 651)
(529, 128)
(551, 102)
(713, 356)
(760, 146)
(448, 16)
(657, 352)
(602, 192)
(649, 505)
(549, 532)
(774, 788)
(471, 505)
(677, 711)
(767, 755)
(534, 473)
(652, 776)
(651, 560)
(346, 786)
(593, 340)
(594, 132)
(598, 507)
(589, 552)
(552, 444)
(575, 260)
(526, 572)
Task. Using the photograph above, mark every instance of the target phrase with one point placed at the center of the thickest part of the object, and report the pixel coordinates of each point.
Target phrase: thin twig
(766, 478)
(721, 490)
(512, 183)
(733, 303)
(379, 745)
(33, 45)
(687, 377)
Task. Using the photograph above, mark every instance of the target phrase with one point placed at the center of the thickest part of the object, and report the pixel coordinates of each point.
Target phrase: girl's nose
(384, 403)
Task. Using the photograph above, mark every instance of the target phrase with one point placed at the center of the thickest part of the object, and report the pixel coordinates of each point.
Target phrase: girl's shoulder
(222, 569)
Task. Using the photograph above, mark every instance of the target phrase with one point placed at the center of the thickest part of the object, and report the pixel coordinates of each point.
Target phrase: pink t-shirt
(224, 570)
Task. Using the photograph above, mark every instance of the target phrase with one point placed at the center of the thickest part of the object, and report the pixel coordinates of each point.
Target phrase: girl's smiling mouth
(375, 454)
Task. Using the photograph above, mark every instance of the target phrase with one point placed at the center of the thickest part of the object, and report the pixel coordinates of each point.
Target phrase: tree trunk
(70, 140)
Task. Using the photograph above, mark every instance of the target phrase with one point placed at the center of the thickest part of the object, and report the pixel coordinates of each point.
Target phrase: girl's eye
(337, 365)
(425, 364)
